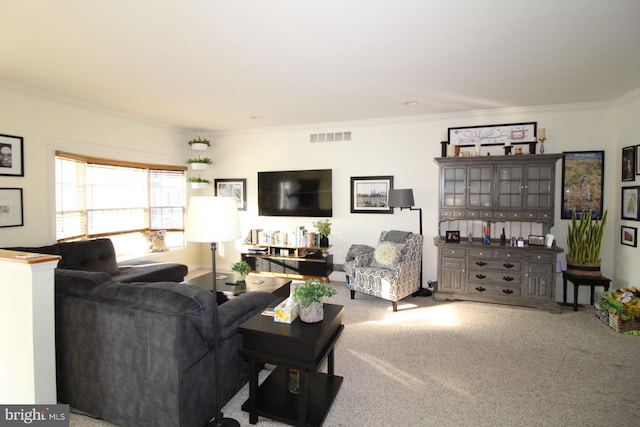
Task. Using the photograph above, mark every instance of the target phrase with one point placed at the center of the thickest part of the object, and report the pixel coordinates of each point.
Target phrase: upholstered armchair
(391, 271)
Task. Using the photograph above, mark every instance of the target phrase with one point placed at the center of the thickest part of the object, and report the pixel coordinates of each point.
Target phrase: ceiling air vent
(330, 137)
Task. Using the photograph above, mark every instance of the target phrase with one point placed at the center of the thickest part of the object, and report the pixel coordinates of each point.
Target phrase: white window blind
(103, 197)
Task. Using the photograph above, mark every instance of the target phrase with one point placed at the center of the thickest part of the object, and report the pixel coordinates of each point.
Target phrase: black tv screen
(295, 193)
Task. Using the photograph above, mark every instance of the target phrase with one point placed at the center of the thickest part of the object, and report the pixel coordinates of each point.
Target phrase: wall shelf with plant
(199, 163)
(199, 144)
(198, 183)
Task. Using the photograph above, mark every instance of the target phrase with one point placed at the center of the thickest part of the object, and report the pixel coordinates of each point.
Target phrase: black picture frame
(580, 170)
(11, 155)
(629, 236)
(370, 194)
(637, 159)
(233, 187)
(630, 205)
(487, 135)
(11, 211)
(629, 163)
(536, 240)
(452, 236)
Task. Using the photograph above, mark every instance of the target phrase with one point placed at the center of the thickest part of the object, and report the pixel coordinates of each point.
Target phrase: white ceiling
(212, 64)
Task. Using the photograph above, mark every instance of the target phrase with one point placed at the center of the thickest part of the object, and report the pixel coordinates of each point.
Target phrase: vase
(324, 242)
(313, 313)
(239, 277)
(591, 269)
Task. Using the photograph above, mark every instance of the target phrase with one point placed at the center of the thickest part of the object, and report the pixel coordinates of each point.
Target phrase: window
(121, 200)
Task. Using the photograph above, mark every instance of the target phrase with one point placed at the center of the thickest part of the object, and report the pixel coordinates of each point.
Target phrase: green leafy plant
(584, 238)
(206, 160)
(198, 179)
(242, 267)
(323, 227)
(199, 140)
(312, 290)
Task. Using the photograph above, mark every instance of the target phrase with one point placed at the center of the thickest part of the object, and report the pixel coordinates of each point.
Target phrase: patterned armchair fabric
(390, 284)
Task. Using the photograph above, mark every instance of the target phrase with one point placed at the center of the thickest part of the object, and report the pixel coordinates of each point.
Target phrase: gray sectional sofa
(134, 346)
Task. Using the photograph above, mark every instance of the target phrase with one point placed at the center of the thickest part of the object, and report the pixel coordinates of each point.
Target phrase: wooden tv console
(296, 262)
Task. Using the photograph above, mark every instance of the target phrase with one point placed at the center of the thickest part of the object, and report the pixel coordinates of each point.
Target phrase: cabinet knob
(507, 278)
(480, 289)
(481, 263)
(507, 291)
(480, 276)
(507, 265)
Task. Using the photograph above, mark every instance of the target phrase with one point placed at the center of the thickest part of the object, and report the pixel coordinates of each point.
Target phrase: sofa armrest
(363, 260)
(237, 310)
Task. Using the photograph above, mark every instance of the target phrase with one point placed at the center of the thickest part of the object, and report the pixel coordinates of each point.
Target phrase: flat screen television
(295, 193)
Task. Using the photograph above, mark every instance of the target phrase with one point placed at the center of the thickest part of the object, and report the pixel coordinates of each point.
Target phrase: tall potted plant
(309, 295)
(584, 242)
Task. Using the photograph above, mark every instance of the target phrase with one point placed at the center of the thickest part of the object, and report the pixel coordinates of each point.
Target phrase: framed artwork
(11, 214)
(452, 236)
(370, 194)
(11, 155)
(637, 159)
(233, 187)
(516, 133)
(629, 236)
(582, 183)
(629, 206)
(629, 163)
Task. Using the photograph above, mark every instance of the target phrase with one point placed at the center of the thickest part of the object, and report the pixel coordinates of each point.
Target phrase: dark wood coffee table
(279, 286)
(302, 346)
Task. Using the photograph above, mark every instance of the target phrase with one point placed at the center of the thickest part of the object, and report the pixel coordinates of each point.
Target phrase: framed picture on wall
(515, 133)
(629, 208)
(11, 214)
(637, 159)
(233, 187)
(11, 155)
(629, 236)
(582, 183)
(370, 194)
(629, 163)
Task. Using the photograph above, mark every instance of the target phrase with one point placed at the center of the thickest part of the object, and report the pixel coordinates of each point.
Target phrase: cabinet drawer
(451, 252)
(495, 290)
(500, 265)
(482, 253)
(454, 263)
(539, 257)
(514, 255)
(452, 214)
(494, 277)
(515, 215)
(545, 215)
(479, 214)
(501, 215)
(530, 215)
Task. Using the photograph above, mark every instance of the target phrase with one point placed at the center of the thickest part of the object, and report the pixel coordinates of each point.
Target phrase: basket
(624, 326)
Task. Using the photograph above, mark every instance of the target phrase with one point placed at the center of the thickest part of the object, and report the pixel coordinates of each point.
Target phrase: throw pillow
(387, 255)
(156, 241)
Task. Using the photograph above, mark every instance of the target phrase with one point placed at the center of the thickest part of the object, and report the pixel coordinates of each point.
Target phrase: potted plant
(199, 144)
(199, 163)
(324, 229)
(240, 269)
(309, 295)
(584, 242)
(197, 182)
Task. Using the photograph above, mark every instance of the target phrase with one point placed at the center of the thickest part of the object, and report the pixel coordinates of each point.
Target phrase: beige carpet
(473, 364)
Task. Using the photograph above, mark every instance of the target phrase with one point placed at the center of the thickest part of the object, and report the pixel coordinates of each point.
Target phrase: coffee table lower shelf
(274, 400)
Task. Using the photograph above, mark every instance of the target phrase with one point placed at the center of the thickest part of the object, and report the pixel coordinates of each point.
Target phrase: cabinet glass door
(509, 187)
(453, 186)
(538, 187)
(480, 187)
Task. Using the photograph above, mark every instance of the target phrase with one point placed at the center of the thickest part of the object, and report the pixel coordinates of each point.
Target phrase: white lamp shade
(212, 219)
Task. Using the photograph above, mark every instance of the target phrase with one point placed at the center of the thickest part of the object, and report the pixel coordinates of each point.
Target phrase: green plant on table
(312, 290)
(241, 267)
(323, 227)
(584, 237)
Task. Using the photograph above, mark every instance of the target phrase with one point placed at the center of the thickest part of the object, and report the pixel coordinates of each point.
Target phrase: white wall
(627, 267)
(48, 123)
(405, 148)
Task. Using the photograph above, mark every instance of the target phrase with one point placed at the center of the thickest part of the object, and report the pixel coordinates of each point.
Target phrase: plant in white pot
(309, 295)
(199, 163)
(584, 242)
(240, 270)
(199, 144)
(197, 182)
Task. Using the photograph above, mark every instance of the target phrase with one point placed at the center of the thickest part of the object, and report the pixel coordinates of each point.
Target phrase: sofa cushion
(89, 255)
(78, 282)
(140, 270)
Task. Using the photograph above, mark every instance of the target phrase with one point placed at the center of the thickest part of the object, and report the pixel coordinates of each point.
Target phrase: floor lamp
(211, 220)
(404, 199)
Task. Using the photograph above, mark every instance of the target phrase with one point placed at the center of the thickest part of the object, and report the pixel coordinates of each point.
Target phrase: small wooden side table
(582, 281)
